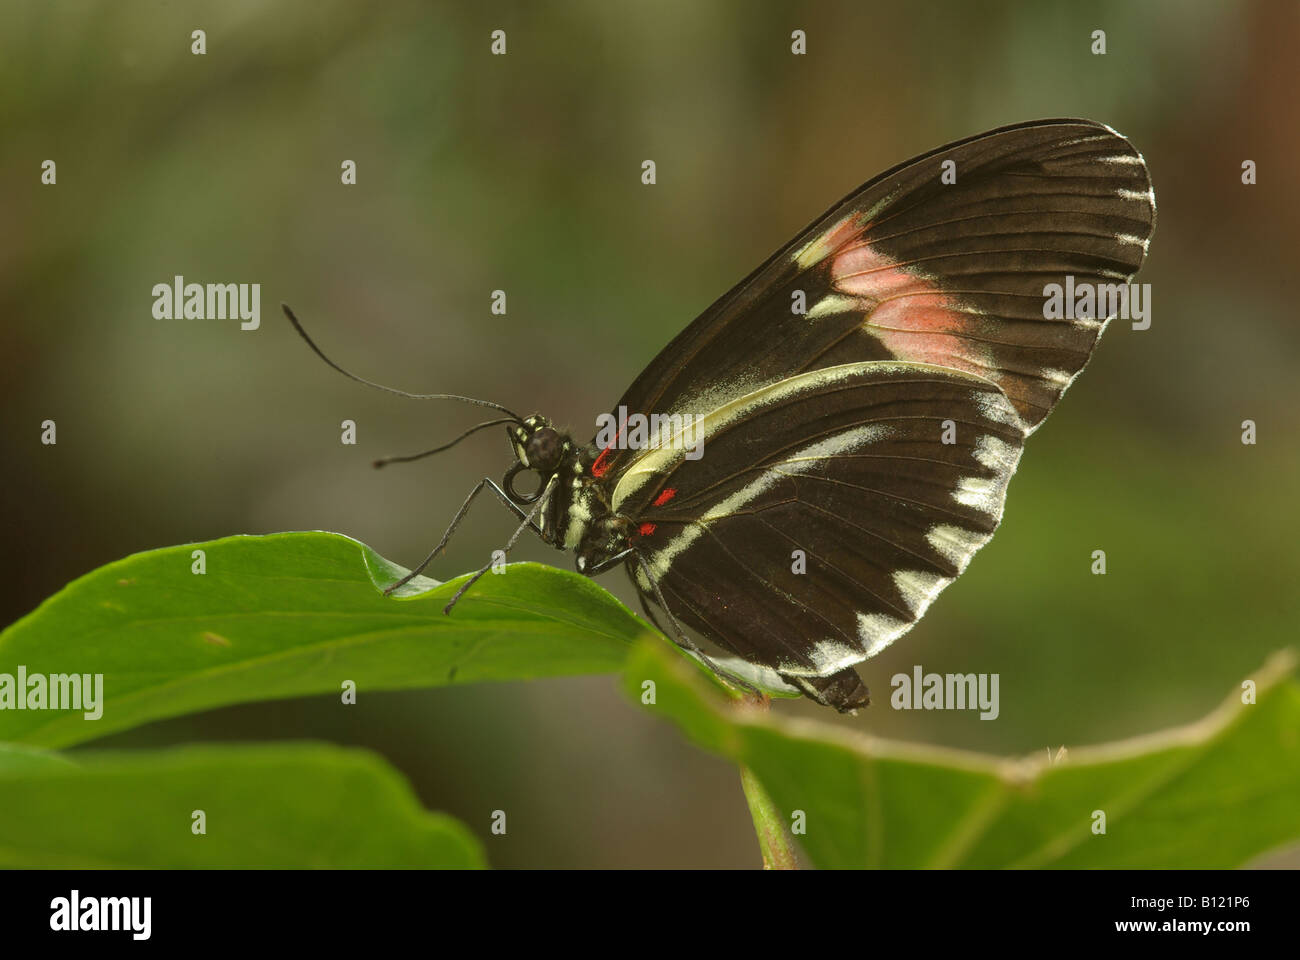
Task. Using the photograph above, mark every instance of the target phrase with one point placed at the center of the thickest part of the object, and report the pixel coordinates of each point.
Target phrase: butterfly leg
(528, 522)
(650, 614)
(681, 639)
(455, 522)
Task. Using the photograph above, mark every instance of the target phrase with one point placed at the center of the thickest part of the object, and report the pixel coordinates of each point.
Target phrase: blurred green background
(522, 173)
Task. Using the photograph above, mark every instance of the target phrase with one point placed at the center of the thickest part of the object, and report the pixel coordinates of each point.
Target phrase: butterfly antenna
(514, 417)
(384, 461)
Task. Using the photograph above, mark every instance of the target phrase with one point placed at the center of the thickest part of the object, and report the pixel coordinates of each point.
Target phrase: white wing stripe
(804, 460)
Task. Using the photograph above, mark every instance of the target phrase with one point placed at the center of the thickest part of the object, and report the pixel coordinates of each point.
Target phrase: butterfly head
(538, 447)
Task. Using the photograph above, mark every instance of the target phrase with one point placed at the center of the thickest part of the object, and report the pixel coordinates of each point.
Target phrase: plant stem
(773, 841)
(777, 852)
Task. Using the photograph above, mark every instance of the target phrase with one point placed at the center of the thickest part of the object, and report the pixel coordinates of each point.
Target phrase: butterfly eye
(543, 451)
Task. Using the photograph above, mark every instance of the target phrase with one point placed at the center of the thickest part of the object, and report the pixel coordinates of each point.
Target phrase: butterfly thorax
(576, 514)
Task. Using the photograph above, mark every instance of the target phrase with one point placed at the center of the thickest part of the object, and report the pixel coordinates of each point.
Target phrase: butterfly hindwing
(826, 512)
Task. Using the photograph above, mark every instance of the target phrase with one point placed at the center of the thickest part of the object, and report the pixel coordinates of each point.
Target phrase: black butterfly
(859, 404)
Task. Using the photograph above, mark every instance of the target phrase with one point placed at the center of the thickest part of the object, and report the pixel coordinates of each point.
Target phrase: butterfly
(800, 472)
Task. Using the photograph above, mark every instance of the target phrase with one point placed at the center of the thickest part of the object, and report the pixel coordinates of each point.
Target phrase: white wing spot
(830, 656)
(954, 544)
(996, 408)
(996, 454)
(982, 494)
(919, 588)
(877, 631)
(834, 305)
(1143, 242)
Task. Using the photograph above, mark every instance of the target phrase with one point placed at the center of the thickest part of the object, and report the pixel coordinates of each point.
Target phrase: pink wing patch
(911, 316)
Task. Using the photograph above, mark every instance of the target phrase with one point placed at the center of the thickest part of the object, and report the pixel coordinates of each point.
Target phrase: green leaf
(1210, 795)
(18, 759)
(287, 805)
(294, 614)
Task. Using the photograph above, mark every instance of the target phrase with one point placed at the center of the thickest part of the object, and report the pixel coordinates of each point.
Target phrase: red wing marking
(600, 466)
(665, 497)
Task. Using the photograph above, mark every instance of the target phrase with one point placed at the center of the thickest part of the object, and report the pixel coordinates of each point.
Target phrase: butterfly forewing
(909, 267)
